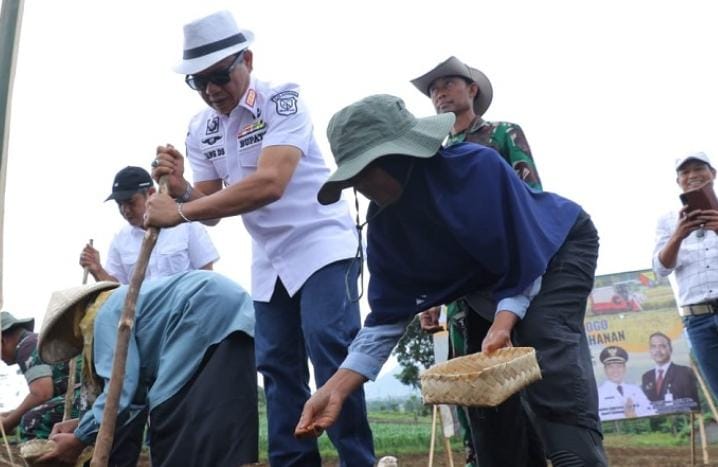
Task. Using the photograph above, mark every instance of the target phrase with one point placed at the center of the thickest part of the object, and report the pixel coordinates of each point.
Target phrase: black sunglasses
(219, 77)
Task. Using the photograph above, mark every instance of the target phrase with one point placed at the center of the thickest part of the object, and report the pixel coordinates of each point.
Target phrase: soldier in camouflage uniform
(45, 404)
(455, 87)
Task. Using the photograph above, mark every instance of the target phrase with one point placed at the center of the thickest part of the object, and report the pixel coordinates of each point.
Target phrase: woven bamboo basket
(479, 379)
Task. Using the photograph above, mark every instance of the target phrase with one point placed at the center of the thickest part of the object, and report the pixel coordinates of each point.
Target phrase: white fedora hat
(210, 39)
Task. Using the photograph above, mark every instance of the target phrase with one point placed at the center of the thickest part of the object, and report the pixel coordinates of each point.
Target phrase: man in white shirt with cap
(687, 246)
(253, 153)
(183, 248)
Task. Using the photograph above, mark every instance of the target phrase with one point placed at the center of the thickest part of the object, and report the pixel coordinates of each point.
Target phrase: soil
(618, 457)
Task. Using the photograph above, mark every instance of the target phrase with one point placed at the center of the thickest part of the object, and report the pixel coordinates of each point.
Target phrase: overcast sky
(608, 93)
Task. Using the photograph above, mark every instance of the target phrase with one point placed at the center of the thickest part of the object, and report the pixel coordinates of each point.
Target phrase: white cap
(699, 156)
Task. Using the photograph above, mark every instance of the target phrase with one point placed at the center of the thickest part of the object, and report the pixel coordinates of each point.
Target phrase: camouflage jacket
(508, 140)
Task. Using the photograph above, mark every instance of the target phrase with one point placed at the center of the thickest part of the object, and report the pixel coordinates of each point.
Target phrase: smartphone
(703, 198)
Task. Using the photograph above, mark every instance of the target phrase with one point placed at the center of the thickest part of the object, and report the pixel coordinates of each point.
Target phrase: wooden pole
(435, 409)
(72, 367)
(704, 443)
(10, 25)
(705, 390)
(103, 445)
(693, 439)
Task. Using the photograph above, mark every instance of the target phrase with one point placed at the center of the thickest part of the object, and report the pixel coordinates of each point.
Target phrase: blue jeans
(318, 322)
(703, 333)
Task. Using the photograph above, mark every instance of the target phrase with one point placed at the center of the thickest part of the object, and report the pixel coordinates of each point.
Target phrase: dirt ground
(618, 457)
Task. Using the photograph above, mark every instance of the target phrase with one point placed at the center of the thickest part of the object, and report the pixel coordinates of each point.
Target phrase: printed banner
(639, 351)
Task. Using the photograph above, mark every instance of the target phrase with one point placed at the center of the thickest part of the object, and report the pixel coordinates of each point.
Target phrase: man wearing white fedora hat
(447, 221)
(253, 154)
(466, 92)
(190, 360)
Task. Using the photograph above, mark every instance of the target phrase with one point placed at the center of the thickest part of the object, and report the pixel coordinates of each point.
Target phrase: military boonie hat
(613, 354)
(7, 321)
(374, 127)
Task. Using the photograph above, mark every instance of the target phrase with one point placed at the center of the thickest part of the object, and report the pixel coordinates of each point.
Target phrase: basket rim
(434, 372)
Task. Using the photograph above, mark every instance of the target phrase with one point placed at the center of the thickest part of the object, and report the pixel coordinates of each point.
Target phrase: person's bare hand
(429, 320)
(67, 449)
(90, 259)
(169, 162)
(322, 409)
(688, 222)
(709, 219)
(68, 426)
(499, 335)
(161, 211)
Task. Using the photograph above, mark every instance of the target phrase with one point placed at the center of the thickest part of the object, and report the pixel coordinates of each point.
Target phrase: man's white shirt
(612, 403)
(294, 236)
(696, 270)
(184, 247)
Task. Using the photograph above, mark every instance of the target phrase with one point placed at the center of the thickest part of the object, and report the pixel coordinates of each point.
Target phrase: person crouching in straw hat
(444, 222)
(191, 357)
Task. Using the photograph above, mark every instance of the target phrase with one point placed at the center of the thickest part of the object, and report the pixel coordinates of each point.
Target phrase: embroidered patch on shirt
(210, 140)
(251, 97)
(286, 102)
(212, 126)
(214, 153)
(251, 128)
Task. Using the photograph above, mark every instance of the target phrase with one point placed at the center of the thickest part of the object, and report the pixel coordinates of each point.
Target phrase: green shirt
(508, 140)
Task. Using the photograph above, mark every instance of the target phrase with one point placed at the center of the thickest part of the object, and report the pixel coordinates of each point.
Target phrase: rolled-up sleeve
(664, 230)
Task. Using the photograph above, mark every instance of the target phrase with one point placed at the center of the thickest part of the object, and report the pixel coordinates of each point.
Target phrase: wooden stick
(693, 439)
(72, 367)
(704, 443)
(4, 437)
(103, 445)
(705, 390)
(433, 435)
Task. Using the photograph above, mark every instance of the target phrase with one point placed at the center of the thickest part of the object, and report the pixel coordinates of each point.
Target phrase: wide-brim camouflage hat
(60, 338)
(374, 127)
(452, 66)
(7, 321)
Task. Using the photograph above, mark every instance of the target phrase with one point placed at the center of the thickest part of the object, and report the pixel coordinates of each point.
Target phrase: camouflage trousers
(38, 422)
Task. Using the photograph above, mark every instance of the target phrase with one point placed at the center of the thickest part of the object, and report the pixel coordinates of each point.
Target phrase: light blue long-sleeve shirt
(177, 319)
(373, 344)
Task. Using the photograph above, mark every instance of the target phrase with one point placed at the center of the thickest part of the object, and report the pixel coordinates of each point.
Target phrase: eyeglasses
(219, 77)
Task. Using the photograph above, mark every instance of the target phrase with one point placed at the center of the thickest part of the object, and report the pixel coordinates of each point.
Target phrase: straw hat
(452, 66)
(60, 338)
(378, 126)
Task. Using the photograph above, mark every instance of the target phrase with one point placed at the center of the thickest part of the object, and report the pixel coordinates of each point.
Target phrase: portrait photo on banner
(641, 357)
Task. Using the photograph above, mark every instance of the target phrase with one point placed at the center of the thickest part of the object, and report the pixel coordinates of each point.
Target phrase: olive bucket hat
(373, 127)
(60, 338)
(7, 321)
(452, 66)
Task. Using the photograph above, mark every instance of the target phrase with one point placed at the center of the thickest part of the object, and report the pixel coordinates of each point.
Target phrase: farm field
(407, 437)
